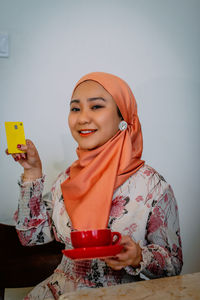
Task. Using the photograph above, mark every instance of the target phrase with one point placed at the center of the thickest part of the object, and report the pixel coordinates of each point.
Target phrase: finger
(126, 240)
(29, 144)
(122, 257)
(118, 265)
(111, 261)
(26, 147)
(111, 258)
(30, 148)
(117, 268)
(114, 261)
(15, 157)
(18, 156)
(23, 155)
(115, 265)
(22, 147)
(6, 151)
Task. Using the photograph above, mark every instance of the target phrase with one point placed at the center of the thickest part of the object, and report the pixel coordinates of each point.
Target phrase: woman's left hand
(131, 255)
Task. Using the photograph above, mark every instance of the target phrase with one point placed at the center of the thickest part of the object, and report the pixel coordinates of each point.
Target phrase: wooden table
(184, 287)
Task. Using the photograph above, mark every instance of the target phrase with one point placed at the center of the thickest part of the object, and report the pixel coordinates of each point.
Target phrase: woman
(109, 177)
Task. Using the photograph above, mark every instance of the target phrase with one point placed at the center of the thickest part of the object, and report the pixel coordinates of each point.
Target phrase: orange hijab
(97, 173)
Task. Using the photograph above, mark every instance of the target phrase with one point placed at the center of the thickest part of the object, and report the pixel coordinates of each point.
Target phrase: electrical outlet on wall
(4, 45)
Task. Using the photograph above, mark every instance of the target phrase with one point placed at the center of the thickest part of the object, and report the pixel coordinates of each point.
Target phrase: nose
(84, 117)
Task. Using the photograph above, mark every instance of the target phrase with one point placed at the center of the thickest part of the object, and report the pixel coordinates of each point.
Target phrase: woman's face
(93, 117)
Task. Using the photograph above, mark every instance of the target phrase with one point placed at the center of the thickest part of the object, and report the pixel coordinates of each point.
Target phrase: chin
(89, 146)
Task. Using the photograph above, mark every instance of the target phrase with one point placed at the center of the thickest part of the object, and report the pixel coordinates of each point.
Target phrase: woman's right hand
(29, 160)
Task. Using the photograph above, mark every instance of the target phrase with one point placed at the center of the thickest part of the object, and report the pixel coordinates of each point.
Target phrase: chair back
(23, 266)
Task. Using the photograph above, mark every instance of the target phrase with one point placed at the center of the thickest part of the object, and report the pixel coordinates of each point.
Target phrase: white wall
(153, 45)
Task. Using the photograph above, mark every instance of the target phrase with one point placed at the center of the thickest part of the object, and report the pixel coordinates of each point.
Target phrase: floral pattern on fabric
(144, 208)
(118, 208)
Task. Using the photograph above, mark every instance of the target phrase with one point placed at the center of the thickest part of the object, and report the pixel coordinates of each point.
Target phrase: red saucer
(93, 252)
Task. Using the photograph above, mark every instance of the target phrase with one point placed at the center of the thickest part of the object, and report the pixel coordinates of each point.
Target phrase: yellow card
(15, 135)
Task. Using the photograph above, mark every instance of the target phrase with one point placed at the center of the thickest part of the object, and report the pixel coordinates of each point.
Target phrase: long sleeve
(163, 236)
(162, 256)
(33, 217)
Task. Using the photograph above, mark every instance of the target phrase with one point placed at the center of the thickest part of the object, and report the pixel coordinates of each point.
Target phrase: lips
(87, 132)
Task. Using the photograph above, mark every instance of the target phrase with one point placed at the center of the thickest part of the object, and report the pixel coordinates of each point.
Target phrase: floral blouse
(143, 207)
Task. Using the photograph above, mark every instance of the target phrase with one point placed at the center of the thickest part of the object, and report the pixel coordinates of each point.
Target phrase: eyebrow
(89, 99)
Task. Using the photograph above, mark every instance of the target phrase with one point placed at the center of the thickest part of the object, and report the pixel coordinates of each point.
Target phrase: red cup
(94, 238)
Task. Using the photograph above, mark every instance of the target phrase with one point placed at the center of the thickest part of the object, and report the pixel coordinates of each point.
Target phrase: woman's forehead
(90, 88)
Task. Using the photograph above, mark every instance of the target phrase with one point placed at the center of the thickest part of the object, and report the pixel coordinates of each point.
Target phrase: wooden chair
(22, 266)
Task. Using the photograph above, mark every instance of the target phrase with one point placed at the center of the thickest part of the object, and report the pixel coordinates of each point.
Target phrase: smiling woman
(109, 186)
(93, 117)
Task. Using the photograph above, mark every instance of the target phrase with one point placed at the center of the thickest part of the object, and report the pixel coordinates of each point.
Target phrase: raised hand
(29, 160)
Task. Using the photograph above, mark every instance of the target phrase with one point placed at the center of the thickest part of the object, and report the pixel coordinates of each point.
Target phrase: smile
(87, 132)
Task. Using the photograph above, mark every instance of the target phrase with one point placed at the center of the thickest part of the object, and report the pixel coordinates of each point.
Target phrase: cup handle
(118, 239)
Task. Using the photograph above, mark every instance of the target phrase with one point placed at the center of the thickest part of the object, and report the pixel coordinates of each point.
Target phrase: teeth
(86, 131)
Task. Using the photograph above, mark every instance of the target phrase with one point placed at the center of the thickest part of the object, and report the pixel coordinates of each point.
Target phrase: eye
(74, 109)
(94, 107)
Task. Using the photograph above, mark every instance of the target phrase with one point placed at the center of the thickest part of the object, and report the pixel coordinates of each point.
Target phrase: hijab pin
(123, 125)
